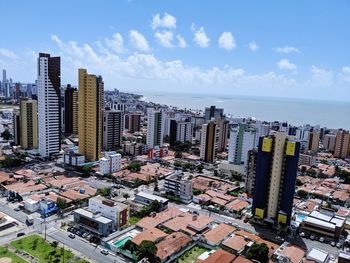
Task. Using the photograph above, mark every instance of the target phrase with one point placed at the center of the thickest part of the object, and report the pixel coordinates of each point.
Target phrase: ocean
(330, 114)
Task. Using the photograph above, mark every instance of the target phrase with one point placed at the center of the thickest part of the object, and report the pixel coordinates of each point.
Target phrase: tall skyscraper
(112, 129)
(155, 128)
(90, 97)
(133, 122)
(313, 140)
(223, 126)
(275, 176)
(213, 112)
(342, 144)
(209, 141)
(329, 142)
(242, 140)
(70, 110)
(29, 124)
(16, 123)
(49, 104)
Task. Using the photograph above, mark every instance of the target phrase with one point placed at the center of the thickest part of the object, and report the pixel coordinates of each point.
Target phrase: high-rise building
(251, 169)
(213, 112)
(223, 126)
(155, 128)
(112, 129)
(70, 110)
(110, 163)
(29, 124)
(342, 144)
(180, 130)
(275, 174)
(49, 104)
(242, 140)
(313, 140)
(90, 97)
(16, 123)
(209, 141)
(133, 122)
(329, 142)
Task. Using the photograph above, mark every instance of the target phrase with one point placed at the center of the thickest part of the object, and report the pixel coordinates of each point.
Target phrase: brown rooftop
(237, 243)
(219, 255)
(172, 244)
(218, 234)
(151, 234)
(159, 218)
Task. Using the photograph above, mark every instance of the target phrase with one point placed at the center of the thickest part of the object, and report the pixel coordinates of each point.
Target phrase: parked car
(321, 239)
(333, 244)
(71, 235)
(84, 235)
(302, 234)
(312, 237)
(20, 234)
(70, 229)
(339, 245)
(17, 208)
(104, 251)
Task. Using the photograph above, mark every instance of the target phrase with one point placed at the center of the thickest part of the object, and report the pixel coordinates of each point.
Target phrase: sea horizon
(332, 114)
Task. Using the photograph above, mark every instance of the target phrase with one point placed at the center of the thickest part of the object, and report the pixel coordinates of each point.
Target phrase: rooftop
(159, 218)
(151, 234)
(236, 243)
(219, 255)
(94, 216)
(218, 233)
(172, 244)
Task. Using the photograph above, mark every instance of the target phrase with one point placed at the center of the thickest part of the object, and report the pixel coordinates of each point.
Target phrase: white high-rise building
(110, 163)
(49, 108)
(155, 128)
(242, 140)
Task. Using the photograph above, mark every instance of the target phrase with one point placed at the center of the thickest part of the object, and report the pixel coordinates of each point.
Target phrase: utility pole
(45, 227)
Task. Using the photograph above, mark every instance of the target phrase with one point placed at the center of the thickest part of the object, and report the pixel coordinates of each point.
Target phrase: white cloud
(322, 77)
(227, 41)
(253, 46)
(200, 37)
(165, 38)
(138, 40)
(287, 49)
(345, 70)
(182, 43)
(168, 21)
(8, 53)
(116, 43)
(285, 64)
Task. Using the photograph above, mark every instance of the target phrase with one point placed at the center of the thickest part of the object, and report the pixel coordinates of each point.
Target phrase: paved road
(83, 247)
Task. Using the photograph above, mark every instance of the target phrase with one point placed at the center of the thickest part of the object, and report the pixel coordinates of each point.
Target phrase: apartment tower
(112, 129)
(209, 141)
(49, 104)
(342, 144)
(29, 124)
(275, 176)
(70, 110)
(155, 128)
(90, 123)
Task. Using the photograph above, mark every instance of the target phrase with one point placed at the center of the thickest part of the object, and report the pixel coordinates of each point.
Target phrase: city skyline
(140, 47)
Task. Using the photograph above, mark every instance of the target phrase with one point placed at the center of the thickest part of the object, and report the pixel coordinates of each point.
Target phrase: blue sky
(262, 48)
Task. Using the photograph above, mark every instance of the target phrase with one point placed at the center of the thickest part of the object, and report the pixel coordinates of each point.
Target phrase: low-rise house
(236, 206)
(217, 234)
(236, 244)
(158, 218)
(174, 243)
(146, 199)
(152, 234)
(288, 253)
(219, 255)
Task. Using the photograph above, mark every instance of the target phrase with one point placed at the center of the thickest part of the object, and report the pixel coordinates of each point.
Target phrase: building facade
(110, 163)
(242, 140)
(313, 141)
(176, 185)
(223, 126)
(133, 122)
(70, 110)
(155, 128)
(112, 129)
(49, 104)
(90, 130)
(209, 141)
(213, 112)
(276, 169)
(29, 124)
(342, 144)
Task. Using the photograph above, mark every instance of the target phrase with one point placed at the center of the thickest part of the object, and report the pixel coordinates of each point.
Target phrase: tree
(302, 193)
(10, 162)
(86, 169)
(259, 252)
(61, 203)
(147, 249)
(126, 196)
(200, 168)
(178, 154)
(6, 135)
(103, 191)
(134, 166)
(303, 169)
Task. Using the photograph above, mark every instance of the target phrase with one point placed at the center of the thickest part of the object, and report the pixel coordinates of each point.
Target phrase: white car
(104, 251)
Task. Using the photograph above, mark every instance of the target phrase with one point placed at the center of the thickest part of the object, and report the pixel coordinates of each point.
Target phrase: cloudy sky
(297, 49)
